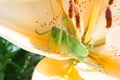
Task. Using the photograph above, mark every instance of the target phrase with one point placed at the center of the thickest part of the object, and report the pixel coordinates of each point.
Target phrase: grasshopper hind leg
(89, 63)
(49, 43)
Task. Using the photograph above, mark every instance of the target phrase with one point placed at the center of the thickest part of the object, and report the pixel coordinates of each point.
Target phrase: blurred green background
(16, 63)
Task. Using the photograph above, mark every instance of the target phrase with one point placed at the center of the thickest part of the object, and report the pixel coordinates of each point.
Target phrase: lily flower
(94, 23)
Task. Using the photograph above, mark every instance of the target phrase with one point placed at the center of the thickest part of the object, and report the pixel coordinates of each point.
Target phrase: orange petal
(50, 69)
(113, 43)
(20, 19)
(110, 67)
(108, 55)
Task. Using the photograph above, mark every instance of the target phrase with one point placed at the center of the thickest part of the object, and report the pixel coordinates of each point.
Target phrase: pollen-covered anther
(77, 17)
(108, 16)
(71, 9)
(110, 2)
(76, 1)
(73, 12)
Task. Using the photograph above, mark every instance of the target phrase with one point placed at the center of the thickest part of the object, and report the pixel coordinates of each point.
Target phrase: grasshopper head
(54, 32)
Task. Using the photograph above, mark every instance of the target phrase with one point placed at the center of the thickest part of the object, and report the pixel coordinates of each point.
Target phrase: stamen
(110, 2)
(71, 9)
(76, 1)
(77, 18)
(108, 17)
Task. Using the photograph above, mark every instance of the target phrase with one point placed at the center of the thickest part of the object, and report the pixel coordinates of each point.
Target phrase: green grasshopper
(67, 43)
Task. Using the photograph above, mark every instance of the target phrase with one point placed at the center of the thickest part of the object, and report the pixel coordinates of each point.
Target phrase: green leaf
(14, 64)
(2, 75)
(1, 65)
(13, 60)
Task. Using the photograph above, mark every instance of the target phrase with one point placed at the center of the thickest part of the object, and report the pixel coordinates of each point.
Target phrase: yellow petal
(20, 19)
(95, 15)
(50, 69)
